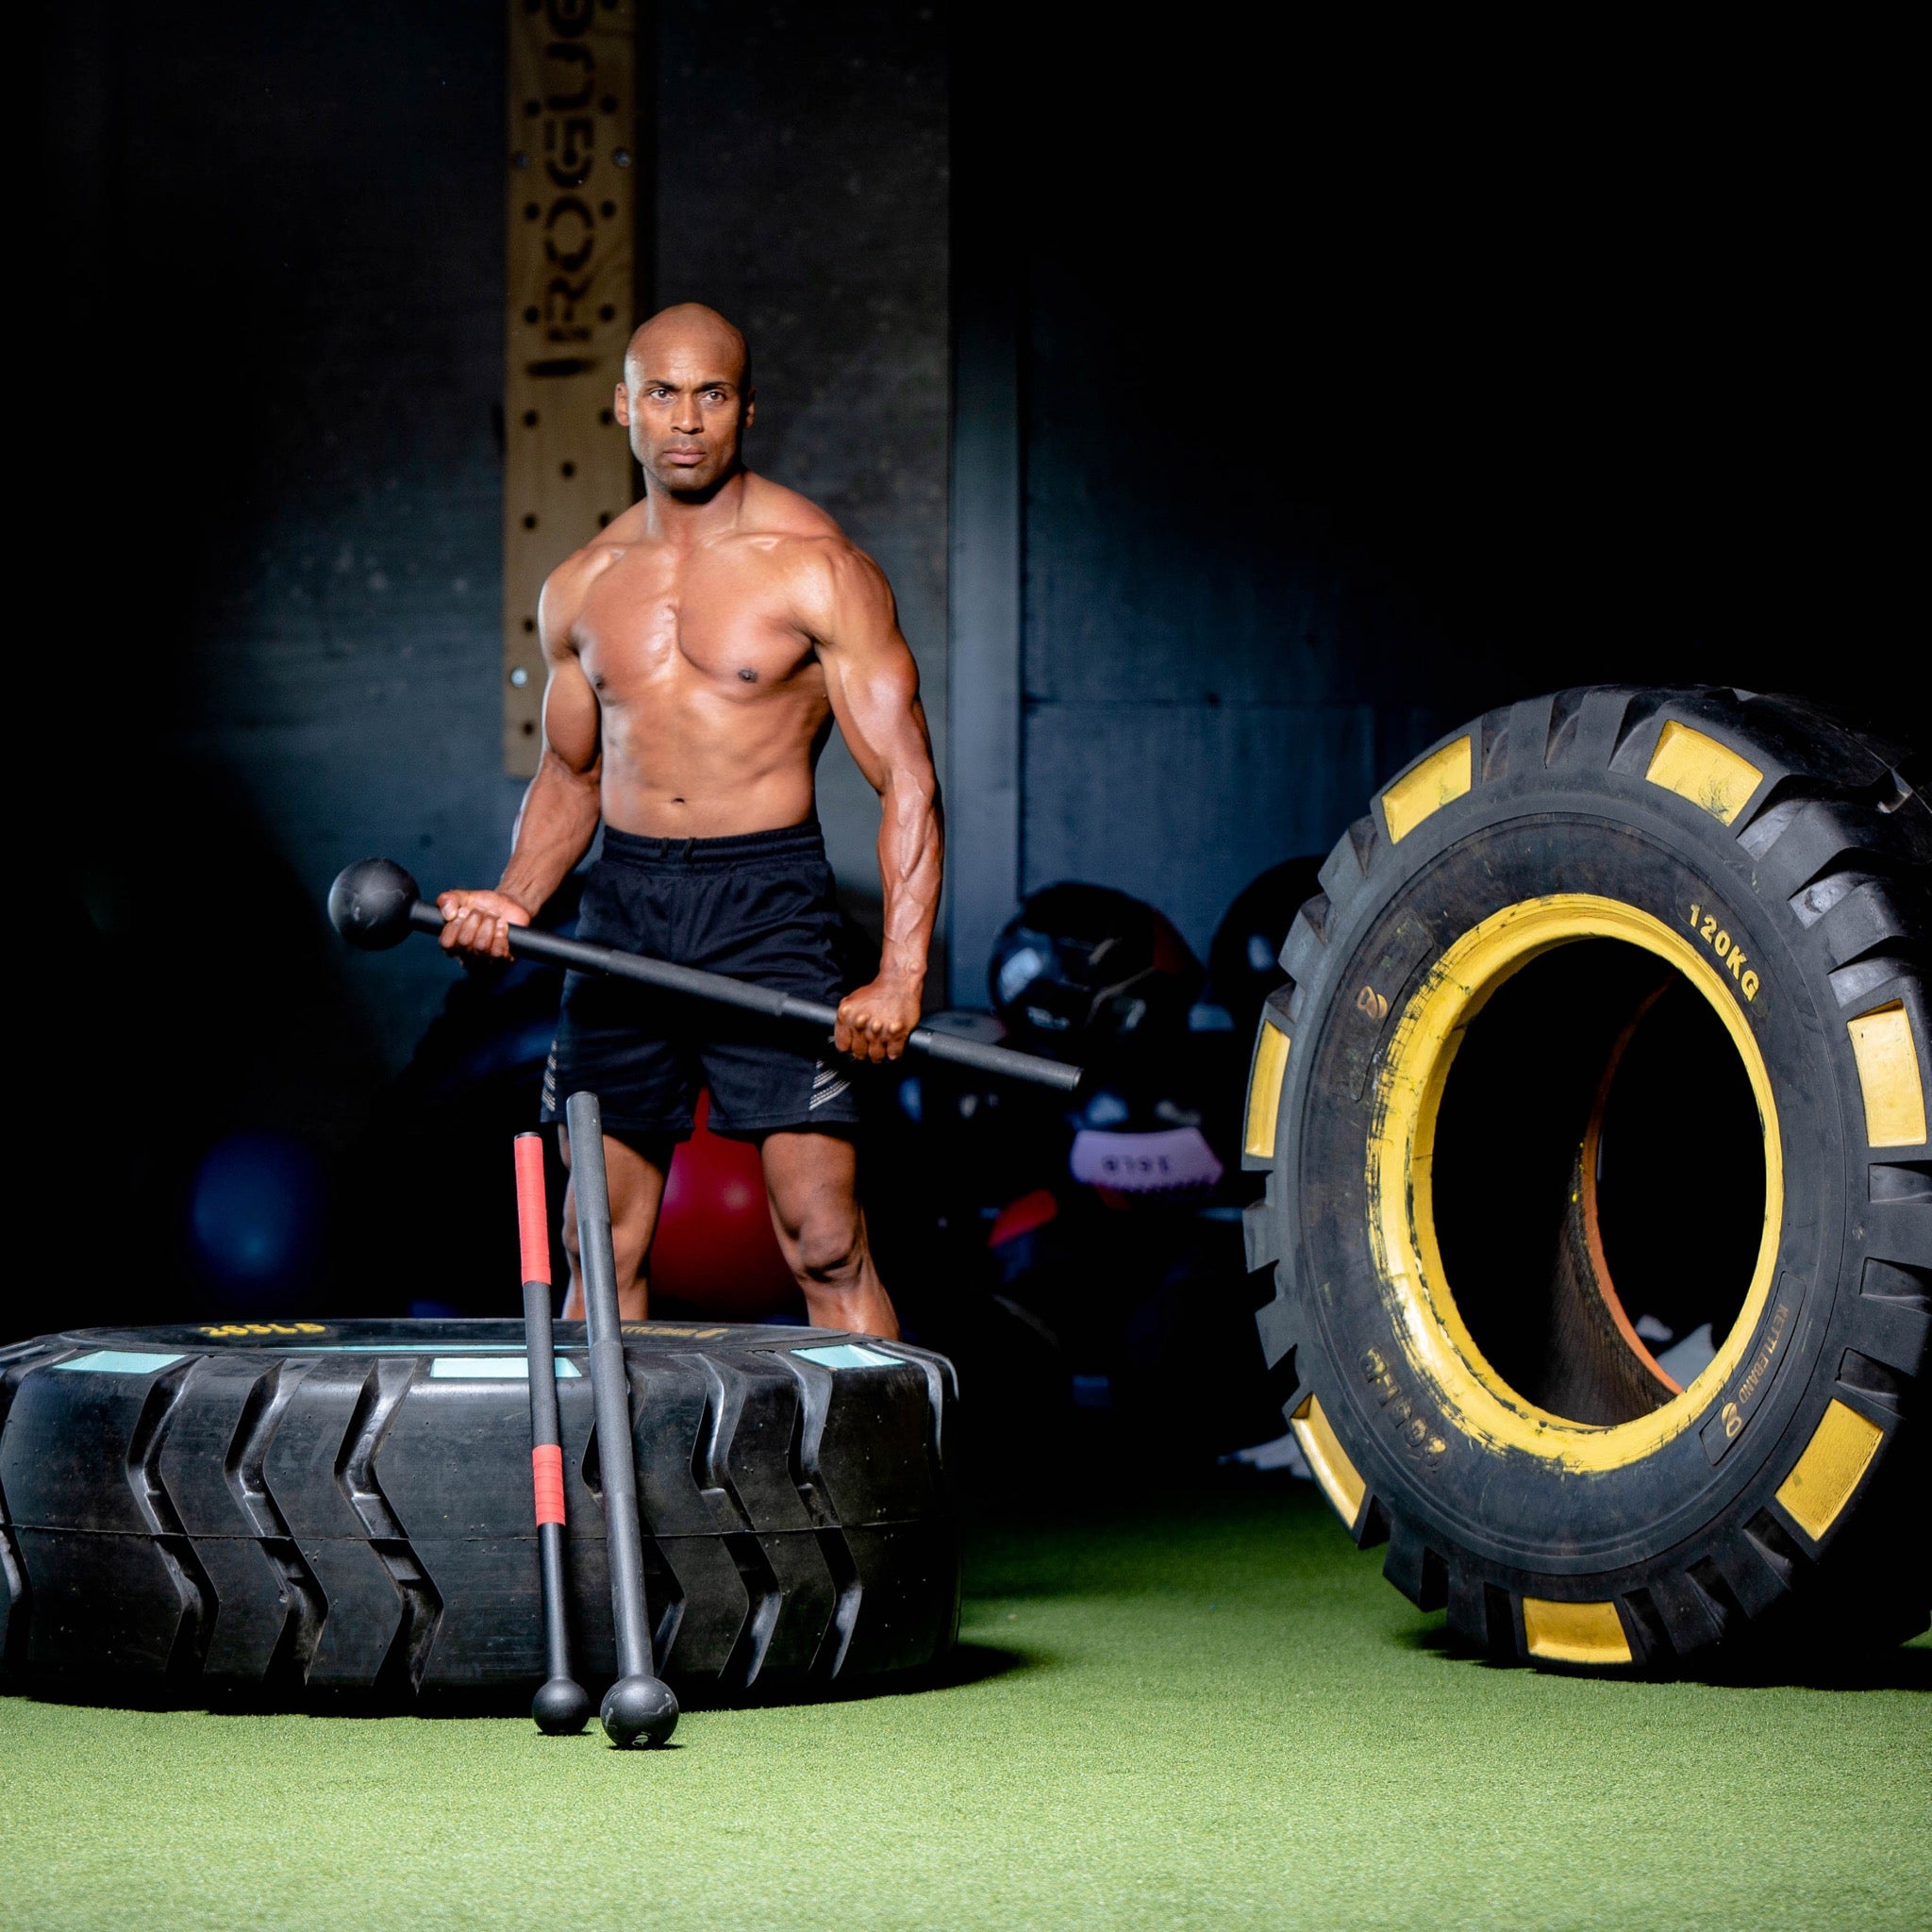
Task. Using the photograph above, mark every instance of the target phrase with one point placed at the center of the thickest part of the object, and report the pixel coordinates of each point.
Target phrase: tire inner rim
(1431, 1328)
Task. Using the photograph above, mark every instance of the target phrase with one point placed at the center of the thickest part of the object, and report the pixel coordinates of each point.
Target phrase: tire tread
(751, 1569)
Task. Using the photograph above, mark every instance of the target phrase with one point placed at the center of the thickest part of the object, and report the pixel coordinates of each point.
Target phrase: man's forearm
(911, 842)
(553, 831)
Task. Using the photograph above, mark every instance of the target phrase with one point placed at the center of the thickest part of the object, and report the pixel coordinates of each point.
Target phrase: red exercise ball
(715, 1253)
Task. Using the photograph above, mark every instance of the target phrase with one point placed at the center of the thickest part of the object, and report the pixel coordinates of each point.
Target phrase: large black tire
(282, 1512)
(1486, 944)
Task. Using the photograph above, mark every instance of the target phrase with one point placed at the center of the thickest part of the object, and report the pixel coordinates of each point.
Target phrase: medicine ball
(1085, 961)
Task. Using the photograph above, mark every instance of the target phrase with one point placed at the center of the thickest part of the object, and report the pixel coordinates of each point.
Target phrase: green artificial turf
(1214, 1714)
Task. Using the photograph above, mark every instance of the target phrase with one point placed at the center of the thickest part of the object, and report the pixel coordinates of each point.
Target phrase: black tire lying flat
(1486, 944)
(282, 1512)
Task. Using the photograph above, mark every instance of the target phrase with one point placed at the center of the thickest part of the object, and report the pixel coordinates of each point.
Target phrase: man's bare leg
(637, 1190)
(811, 1182)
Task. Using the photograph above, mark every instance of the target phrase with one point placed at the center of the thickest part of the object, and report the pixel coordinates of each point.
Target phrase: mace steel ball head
(562, 1708)
(368, 903)
(639, 1708)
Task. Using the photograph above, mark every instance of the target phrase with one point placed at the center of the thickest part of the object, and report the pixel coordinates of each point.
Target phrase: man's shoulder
(625, 532)
(582, 566)
(797, 545)
(814, 555)
(774, 511)
(565, 587)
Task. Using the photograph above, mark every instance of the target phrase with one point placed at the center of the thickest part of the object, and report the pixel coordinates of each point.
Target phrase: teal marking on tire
(121, 1361)
(847, 1355)
(494, 1368)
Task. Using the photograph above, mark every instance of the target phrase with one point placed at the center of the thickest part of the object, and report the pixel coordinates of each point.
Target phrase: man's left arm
(874, 685)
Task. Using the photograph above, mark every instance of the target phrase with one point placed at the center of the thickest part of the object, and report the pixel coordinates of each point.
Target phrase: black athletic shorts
(760, 908)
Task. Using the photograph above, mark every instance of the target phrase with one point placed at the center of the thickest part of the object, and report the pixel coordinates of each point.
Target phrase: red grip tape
(546, 1466)
(533, 1229)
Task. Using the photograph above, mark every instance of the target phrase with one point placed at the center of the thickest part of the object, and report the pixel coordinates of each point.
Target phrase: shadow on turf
(964, 1665)
(1903, 1668)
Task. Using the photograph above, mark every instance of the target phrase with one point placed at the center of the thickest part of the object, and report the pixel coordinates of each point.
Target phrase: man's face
(686, 410)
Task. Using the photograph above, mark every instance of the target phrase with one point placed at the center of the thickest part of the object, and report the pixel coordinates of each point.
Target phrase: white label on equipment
(1179, 1157)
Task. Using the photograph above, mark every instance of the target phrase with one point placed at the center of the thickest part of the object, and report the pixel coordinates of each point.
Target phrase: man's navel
(749, 676)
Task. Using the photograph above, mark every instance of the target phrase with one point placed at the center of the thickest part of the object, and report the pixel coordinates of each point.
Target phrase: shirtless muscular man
(698, 650)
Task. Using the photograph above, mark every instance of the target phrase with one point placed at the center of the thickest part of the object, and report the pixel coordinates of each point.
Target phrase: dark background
(1359, 385)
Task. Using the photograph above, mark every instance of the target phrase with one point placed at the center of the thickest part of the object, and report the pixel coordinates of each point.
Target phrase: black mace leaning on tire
(560, 1706)
(640, 1705)
(1598, 1200)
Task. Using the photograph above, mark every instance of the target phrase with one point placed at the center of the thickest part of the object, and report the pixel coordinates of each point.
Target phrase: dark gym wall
(1362, 386)
(267, 514)
(297, 243)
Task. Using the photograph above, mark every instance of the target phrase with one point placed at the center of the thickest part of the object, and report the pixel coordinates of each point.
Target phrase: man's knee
(830, 1246)
(633, 1223)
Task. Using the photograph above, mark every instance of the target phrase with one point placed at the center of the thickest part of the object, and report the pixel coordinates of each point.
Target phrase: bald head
(684, 330)
(686, 398)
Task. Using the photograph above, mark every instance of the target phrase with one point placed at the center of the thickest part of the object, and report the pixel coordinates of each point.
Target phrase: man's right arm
(559, 811)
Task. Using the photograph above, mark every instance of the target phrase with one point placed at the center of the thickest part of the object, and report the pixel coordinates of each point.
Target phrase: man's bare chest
(654, 620)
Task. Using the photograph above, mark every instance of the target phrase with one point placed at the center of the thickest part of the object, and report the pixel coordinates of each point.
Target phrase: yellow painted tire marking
(1264, 1089)
(1441, 779)
(264, 1328)
(1575, 1633)
(1888, 1059)
(1711, 776)
(1833, 1465)
(1402, 1232)
(1337, 1474)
